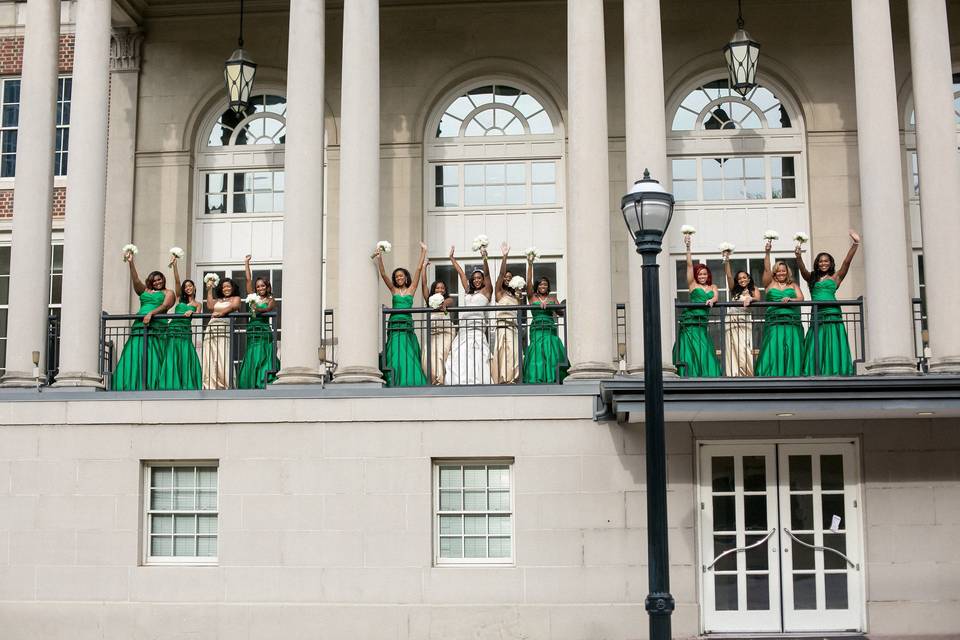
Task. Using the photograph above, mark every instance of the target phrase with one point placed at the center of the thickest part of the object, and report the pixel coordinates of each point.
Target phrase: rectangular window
(64, 97)
(56, 278)
(473, 512)
(181, 511)
(495, 184)
(734, 178)
(10, 120)
(244, 192)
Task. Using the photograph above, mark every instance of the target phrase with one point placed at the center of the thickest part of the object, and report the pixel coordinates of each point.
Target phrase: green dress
(781, 352)
(128, 376)
(694, 353)
(401, 354)
(259, 357)
(181, 365)
(545, 359)
(830, 338)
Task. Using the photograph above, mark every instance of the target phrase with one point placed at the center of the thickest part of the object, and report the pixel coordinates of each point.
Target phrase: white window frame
(146, 512)
(510, 561)
(59, 179)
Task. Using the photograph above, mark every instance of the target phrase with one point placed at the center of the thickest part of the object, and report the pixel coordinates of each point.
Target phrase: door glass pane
(723, 473)
(725, 592)
(804, 591)
(801, 512)
(803, 556)
(836, 541)
(724, 513)
(754, 473)
(801, 475)
(831, 473)
(832, 506)
(758, 592)
(835, 590)
(720, 545)
(756, 557)
(755, 513)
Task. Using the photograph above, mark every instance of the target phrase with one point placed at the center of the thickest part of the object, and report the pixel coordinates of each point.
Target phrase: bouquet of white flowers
(532, 253)
(727, 247)
(252, 301)
(801, 238)
(211, 280)
(382, 247)
(687, 230)
(176, 252)
(435, 300)
(128, 248)
(770, 234)
(518, 284)
(481, 242)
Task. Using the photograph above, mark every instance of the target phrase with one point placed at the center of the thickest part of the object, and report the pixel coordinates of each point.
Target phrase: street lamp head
(742, 54)
(647, 210)
(238, 72)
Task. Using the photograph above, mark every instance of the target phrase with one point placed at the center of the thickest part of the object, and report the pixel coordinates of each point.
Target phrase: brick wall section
(6, 204)
(11, 55)
(59, 203)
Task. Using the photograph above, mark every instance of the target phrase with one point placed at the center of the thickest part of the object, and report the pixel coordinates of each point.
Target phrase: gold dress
(216, 350)
(442, 334)
(504, 366)
(738, 336)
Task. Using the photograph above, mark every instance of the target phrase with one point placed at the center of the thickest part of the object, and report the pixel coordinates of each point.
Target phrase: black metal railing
(53, 347)
(496, 344)
(736, 332)
(621, 318)
(921, 337)
(328, 342)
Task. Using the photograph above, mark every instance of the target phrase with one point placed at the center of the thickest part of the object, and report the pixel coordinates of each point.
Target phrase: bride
(469, 359)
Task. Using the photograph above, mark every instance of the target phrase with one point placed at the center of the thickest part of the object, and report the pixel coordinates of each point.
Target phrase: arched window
(263, 123)
(737, 169)
(494, 165)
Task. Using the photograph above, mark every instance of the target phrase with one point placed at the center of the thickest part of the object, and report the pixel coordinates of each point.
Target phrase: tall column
(889, 326)
(303, 220)
(646, 141)
(86, 199)
(590, 300)
(939, 176)
(359, 210)
(121, 156)
(33, 201)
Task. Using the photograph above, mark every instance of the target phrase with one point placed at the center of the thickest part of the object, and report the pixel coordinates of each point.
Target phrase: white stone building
(501, 511)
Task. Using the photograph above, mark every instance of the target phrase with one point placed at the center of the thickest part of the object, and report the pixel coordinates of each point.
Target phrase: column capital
(125, 45)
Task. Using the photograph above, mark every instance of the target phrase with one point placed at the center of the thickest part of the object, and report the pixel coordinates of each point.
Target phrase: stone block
(45, 547)
(586, 621)
(397, 549)
(264, 477)
(322, 410)
(250, 548)
(373, 586)
(18, 583)
(252, 584)
(575, 585)
(93, 412)
(108, 477)
(18, 512)
(895, 505)
(89, 442)
(243, 410)
(274, 440)
(397, 475)
(372, 439)
(612, 473)
(19, 443)
(946, 503)
(322, 549)
(108, 548)
(635, 503)
(568, 437)
(482, 622)
(203, 442)
(547, 474)
(614, 547)
(170, 584)
(902, 582)
(83, 583)
(464, 440)
(34, 413)
(549, 548)
(326, 476)
(76, 512)
(474, 585)
(581, 511)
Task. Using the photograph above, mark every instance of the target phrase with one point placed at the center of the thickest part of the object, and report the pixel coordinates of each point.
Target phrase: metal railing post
(429, 339)
(815, 327)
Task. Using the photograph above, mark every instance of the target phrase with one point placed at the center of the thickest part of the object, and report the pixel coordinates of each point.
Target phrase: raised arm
(504, 252)
(135, 280)
(176, 274)
(459, 269)
(246, 267)
(487, 284)
(412, 286)
(801, 267)
(691, 281)
(423, 283)
(378, 256)
(842, 271)
(767, 277)
(728, 271)
(210, 301)
(530, 285)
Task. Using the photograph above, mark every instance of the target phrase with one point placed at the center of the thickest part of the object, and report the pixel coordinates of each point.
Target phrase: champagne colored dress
(259, 357)
(144, 349)
(401, 354)
(781, 351)
(504, 367)
(738, 338)
(442, 335)
(181, 366)
(828, 345)
(216, 350)
(694, 353)
(545, 359)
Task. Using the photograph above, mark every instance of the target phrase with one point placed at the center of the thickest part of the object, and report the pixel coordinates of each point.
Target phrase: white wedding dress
(469, 359)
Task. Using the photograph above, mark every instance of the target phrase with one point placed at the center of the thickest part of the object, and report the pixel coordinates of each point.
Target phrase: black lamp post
(647, 210)
(238, 72)
(742, 54)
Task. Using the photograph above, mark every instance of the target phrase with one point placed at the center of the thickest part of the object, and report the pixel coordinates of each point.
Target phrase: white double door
(780, 539)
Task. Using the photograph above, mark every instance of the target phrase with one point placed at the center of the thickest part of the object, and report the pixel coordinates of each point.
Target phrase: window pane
(450, 477)
(206, 524)
(516, 194)
(161, 524)
(184, 546)
(474, 476)
(684, 169)
(725, 592)
(184, 524)
(499, 524)
(162, 476)
(499, 500)
(498, 476)
(451, 547)
(161, 500)
(184, 477)
(474, 500)
(684, 191)
(451, 524)
(475, 547)
(722, 471)
(207, 477)
(499, 547)
(161, 546)
(543, 194)
(544, 172)
(207, 500)
(831, 472)
(516, 174)
(207, 546)
(712, 190)
(450, 501)
(475, 524)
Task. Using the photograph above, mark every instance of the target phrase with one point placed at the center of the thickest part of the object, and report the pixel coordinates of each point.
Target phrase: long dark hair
(537, 282)
(816, 274)
(473, 289)
(266, 282)
(393, 276)
(433, 288)
(184, 298)
(218, 292)
(151, 276)
(737, 289)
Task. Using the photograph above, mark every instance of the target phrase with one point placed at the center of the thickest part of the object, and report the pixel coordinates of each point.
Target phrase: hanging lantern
(238, 72)
(742, 54)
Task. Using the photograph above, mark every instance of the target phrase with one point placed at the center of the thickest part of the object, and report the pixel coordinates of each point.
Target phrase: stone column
(939, 176)
(121, 155)
(590, 300)
(646, 141)
(303, 218)
(86, 199)
(33, 201)
(888, 310)
(358, 322)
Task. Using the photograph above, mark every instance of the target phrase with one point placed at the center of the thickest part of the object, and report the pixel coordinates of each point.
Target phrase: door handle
(740, 549)
(819, 548)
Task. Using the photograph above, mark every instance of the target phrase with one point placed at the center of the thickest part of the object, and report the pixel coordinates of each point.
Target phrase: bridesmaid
(545, 359)
(738, 331)
(259, 358)
(222, 300)
(181, 366)
(155, 299)
(504, 367)
(826, 351)
(694, 353)
(401, 353)
(781, 351)
(442, 332)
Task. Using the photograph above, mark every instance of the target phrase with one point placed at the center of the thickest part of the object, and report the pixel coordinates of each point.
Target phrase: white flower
(128, 248)
(384, 246)
(436, 300)
(770, 234)
(800, 237)
(481, 242)
(517, 283)
(252, 298)
(177, 252)
(687, 230)
(211, 279)
(727, 246)
(532, 252)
